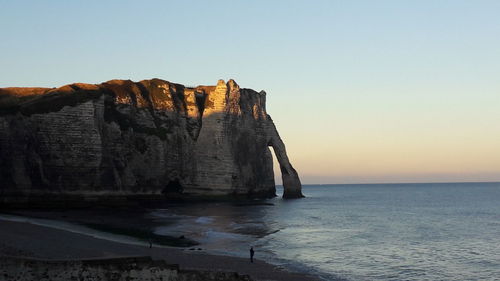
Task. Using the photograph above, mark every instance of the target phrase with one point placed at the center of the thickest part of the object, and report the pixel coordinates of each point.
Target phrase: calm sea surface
(359, 232)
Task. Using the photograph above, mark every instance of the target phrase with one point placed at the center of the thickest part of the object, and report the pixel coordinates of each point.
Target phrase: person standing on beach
(252, 252)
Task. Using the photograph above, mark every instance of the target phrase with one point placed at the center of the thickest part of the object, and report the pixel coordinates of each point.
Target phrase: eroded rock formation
(147, 137)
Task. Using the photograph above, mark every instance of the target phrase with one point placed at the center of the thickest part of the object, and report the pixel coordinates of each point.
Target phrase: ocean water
(448, 231)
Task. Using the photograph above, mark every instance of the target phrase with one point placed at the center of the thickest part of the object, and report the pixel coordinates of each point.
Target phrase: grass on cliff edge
(44, 103)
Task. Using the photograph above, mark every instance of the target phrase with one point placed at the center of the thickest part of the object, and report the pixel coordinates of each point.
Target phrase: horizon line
(375, 183)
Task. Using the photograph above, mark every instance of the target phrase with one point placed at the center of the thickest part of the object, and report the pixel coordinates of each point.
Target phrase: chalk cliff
(151, 137)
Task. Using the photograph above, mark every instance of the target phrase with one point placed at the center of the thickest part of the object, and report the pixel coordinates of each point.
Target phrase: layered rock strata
(151, 137)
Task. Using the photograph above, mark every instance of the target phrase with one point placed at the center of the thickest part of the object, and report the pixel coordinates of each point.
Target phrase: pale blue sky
(361, 91)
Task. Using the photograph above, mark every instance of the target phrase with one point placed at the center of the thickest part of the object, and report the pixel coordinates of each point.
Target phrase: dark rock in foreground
(148, 138)
(131, 269)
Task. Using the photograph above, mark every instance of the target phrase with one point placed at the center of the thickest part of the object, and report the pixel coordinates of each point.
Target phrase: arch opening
(292, 188)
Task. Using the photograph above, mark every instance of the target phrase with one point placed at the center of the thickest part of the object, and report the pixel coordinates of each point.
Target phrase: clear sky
(361, 91)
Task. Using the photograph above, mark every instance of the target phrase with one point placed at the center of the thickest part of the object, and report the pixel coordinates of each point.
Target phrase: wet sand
(28, 240)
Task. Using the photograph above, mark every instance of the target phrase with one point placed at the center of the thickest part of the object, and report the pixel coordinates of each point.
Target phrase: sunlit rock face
(149, 137)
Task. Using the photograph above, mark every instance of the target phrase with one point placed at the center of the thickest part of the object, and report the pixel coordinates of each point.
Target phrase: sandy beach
(28, 240)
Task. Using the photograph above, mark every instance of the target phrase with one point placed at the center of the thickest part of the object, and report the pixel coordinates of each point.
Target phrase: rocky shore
(28, 241)
(110, 269)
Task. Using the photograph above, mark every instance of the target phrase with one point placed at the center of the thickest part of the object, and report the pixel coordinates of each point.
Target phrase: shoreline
(28, 240)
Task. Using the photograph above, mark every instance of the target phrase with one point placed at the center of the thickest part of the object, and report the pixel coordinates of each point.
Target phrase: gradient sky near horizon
(360, 91)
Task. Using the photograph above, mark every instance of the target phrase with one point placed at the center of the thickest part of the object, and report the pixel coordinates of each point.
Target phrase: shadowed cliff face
(149, 137)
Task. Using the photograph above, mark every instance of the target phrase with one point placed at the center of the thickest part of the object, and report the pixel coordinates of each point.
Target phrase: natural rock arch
(151, 137)
(292, 188)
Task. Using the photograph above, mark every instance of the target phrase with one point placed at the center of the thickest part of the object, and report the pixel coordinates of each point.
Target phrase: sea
(431, 231)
